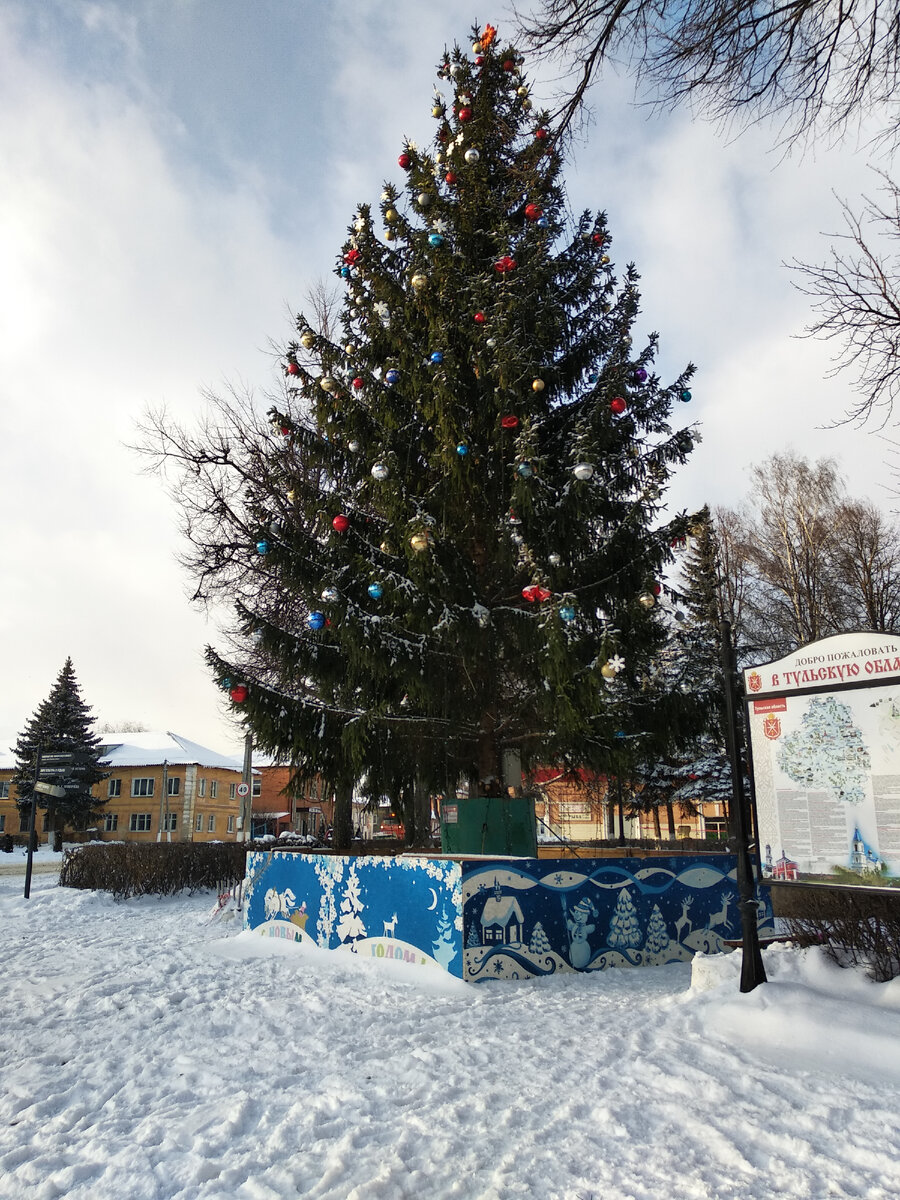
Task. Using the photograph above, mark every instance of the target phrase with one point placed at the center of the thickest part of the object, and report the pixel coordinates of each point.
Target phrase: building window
(23, 822)
(4, 790)
(257, 787)
(199, 823)
(201, 787)
(140, 822)
(114, 787)
(170, 822)
(213, 788)
(232, 791)
(111, 822)
(230, 822)
(3, 822)
(142, 787)
(211, 823)
(173, 785)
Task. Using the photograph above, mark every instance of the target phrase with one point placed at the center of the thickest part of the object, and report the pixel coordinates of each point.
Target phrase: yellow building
(161, 787)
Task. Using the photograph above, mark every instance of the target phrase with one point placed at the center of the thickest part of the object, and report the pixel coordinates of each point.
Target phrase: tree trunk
(670, 814)
(343, 815)
(656, 822)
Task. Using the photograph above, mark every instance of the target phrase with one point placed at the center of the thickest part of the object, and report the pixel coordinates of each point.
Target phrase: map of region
(827, 753)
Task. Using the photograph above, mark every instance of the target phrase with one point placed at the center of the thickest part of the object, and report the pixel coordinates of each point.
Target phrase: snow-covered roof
(500, 910)
(152, 748)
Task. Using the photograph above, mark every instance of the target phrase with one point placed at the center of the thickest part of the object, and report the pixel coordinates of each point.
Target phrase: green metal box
(489, 825)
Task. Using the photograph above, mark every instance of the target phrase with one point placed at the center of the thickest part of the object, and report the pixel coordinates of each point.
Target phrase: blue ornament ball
(316, 620)
(567, 613)
(392, 376)
(262, 547)
(462, 449)
(526, 470)
(376, 591)
(345, 272)
(685, 396)
(437, 357)
(593, 377)
(435, 239)
(543, 222)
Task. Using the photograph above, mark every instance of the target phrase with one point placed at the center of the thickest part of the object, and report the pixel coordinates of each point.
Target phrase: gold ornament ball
(420, 542)
(291, 497)
(349, 348)
(526, 104)
(647, 600)
(437, 111)
(307, 339)
(386, 548)
(538, 385)
(608, 671)
(327, 384)
(522, 91)
(419, 281)
(391, 214)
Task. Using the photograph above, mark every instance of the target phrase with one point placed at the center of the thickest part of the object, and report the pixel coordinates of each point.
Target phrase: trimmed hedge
(153, 868)
(855, 926)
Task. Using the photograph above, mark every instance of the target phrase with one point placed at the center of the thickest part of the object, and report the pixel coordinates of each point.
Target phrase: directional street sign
(49, 789)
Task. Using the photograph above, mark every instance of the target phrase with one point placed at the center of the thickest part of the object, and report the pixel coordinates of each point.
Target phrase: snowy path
(146, 1055)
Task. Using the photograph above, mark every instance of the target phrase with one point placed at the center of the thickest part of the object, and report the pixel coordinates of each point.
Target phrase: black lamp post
(752, 970)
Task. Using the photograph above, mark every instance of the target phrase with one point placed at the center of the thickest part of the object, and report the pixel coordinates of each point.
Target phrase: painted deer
(720, 917)
(390, 926)
(684, 919)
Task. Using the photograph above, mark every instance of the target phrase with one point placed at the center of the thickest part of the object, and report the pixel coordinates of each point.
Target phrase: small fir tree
(447, 546)
(540, 943)
(61, 725)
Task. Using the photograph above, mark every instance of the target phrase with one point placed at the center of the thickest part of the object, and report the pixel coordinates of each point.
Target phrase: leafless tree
(807, 560)
(856, 296)
(814, 64)
(869, 561)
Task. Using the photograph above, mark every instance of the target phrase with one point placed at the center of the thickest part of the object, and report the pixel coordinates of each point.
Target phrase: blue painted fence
(500, 918)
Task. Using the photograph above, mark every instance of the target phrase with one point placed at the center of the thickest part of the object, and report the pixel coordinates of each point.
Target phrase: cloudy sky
(175, 176)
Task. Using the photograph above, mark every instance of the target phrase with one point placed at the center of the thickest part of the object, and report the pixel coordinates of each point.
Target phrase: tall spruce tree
(61, 725)
(447, 546)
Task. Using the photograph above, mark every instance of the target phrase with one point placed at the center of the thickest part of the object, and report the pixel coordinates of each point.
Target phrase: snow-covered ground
(146, 1053)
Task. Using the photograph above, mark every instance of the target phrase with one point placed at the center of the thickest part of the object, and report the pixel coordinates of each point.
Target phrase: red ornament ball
(479, 60)
(509, 422)
(239, 693)
(465, 114)
(533, 212)
(541, 135)
(479, 318)
(404, 160)
(358, 383)
(450, 177)
(618, 405)
(656, 589)
(352, 256)
(340, 524)
(285, 430)
(509, 65)
(292, 369)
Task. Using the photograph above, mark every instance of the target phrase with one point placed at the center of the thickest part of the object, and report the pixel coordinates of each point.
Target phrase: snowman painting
(579, 926)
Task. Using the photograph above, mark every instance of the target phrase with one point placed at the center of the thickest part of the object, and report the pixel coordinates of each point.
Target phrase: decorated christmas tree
(447, 549)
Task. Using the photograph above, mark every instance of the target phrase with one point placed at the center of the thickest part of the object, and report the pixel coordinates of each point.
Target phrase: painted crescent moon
(433, 899)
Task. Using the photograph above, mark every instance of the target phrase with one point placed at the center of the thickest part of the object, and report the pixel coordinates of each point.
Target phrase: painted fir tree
(540, 943)
(657, 935)
(448, 545)
(62, 725)
(624, 929)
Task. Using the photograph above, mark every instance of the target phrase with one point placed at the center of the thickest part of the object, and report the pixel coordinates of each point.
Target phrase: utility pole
(247, 780)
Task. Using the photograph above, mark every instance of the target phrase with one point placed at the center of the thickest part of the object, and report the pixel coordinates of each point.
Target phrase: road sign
(49, 789)
(243, 789)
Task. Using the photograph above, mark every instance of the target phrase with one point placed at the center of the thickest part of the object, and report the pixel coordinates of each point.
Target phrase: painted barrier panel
(539, 916)
(503, 918)
(407, 909)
